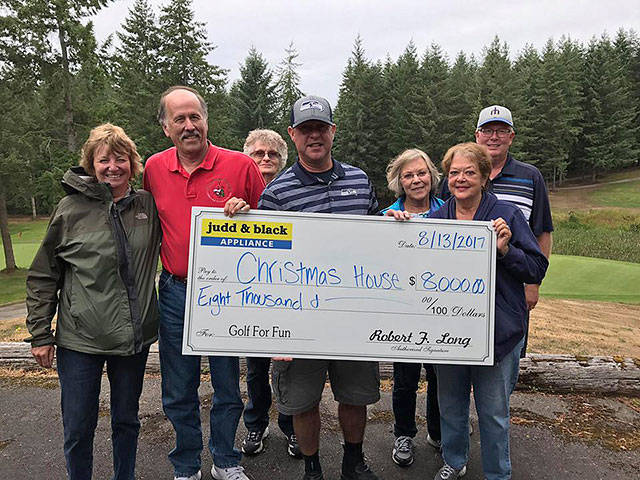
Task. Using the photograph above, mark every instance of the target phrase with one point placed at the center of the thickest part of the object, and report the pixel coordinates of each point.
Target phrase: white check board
(340, 286)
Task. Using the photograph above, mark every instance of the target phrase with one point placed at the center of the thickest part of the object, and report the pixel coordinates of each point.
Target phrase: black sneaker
(361, 472)
(252, 444)
(312, 476)
(293, 449)
(403, 451)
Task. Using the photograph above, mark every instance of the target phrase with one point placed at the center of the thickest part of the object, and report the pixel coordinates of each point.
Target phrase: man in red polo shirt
(195, 173)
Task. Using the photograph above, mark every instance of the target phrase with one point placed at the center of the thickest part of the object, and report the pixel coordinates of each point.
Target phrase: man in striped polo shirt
(319, 183)
(515, 182)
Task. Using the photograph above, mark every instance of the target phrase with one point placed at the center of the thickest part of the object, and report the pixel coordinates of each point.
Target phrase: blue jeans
(492, 387)
(405, 385)
(80, 377)
(256, 412)
(180, 382)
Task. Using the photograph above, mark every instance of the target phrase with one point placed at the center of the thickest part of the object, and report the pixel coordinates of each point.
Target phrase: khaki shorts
(298, 384)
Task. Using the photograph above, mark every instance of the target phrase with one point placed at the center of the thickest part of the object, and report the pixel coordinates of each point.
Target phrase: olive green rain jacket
(97, 266)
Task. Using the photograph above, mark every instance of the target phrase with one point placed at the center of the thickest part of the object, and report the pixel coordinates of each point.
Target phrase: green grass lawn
(12, 286)
(26, 236)
(592, 279)
(622, 195)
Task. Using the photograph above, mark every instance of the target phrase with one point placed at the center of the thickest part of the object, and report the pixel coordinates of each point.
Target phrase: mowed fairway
(592, 279)
(26, 236)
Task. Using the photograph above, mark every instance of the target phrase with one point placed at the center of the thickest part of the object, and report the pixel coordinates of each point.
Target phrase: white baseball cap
(495, 113)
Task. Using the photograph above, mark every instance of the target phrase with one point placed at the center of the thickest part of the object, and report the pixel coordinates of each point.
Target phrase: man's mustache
(190, 135)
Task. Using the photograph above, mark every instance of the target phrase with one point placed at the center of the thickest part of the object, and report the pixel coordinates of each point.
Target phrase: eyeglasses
(261, 153)
(488, 132)
(459, 173)
(407, 177)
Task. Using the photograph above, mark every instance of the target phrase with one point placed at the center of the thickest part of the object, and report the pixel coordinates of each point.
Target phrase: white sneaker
(447, 472)
(231, 473)
(195, 476)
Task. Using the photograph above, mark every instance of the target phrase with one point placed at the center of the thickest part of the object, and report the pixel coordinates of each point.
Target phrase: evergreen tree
(184, 48)
(434, 72)
(627, 49)
(137, 78)
(253, 97)
(571, 64)
(609, 129)
(496, 79)
(526, 79)
(360, 115)
(58, 86)
(460, 115)
(407, 104)
(40, 24)
(287, 91)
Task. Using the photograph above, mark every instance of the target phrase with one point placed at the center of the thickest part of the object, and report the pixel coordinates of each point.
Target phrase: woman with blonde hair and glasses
(414, 179)
(96, 267)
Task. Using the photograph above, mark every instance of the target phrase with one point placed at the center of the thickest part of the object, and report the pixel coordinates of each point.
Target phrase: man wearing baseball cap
(515, 182)
(319, 183)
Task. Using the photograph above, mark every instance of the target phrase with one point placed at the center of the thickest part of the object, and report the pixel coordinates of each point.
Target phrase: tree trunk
(10, 259)
(539, 372)
(34, 212)
(66, 84)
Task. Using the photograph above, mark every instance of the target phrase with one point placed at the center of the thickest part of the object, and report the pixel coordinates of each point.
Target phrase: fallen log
(542, 372)
(581, 374)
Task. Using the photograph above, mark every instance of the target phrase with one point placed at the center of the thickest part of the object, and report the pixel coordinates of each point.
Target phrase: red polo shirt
(221, 175)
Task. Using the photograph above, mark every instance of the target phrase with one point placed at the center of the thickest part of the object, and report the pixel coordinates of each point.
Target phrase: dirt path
(13, 311)
(594, 185)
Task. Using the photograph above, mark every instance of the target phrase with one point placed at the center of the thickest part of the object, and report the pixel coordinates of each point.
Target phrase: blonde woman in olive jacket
(96, 267)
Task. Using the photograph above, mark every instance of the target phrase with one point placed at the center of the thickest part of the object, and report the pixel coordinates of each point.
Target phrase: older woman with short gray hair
(268, 150)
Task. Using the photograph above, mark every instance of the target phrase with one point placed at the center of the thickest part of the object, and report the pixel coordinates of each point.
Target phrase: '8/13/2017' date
(448, 241)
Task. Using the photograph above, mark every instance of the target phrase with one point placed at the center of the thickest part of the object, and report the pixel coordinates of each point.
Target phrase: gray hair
(162, 107)
(270, 138)
(397, 164)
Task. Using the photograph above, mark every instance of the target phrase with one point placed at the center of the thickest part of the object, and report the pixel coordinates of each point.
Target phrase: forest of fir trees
(576, 106)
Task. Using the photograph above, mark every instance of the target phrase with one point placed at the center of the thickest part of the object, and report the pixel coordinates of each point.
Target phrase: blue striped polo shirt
(523, 185)
(347, 190)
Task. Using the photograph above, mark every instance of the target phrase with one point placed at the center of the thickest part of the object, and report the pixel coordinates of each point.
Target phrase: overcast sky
(323, 32)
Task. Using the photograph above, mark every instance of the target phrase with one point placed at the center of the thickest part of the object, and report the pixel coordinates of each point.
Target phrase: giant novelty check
(340, 286)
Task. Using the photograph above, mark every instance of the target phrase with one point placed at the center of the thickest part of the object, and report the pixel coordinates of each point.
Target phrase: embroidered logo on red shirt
(219, 190)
